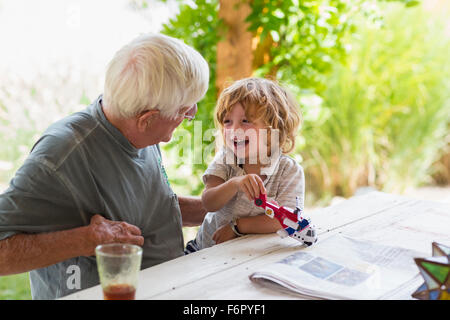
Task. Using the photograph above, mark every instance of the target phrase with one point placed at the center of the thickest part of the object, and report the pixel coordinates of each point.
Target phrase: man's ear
(145, 118)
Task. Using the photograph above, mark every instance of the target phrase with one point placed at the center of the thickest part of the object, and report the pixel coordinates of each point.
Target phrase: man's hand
(223, 234)
(103, 231)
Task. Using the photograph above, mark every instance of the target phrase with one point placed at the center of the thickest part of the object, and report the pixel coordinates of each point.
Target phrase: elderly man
(96, 176)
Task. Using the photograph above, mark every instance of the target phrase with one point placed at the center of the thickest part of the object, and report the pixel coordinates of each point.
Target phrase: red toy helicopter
(291, 220)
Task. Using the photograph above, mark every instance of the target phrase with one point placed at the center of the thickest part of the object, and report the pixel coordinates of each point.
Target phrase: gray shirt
(82, 165)
(284, 181)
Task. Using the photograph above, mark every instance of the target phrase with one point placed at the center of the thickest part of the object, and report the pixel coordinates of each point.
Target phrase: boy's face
(244, 136)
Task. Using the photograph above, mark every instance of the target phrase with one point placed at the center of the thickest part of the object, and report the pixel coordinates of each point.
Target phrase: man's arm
(192, 211)
(25, 252)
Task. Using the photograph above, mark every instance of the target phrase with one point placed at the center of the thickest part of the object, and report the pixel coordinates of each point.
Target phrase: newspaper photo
(340, 267)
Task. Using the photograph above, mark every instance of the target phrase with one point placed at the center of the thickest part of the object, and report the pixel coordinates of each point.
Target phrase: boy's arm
(258, 224)
(247, 225)
(217, 192)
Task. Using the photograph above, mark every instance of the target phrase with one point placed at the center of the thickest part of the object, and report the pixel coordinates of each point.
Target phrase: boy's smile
(240, 143)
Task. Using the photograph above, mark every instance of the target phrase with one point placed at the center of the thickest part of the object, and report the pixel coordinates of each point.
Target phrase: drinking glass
(118, 267)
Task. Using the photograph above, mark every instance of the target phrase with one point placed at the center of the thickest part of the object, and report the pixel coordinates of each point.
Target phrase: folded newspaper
(340, 267)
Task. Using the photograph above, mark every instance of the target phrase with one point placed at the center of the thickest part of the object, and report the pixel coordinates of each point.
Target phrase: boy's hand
(223, 234)
(251, 184)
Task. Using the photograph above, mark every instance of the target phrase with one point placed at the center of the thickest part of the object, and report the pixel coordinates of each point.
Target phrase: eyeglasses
(189, 113)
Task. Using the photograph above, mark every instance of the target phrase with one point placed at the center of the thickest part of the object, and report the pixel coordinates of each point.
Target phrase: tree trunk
(241, 51)
(234, 52)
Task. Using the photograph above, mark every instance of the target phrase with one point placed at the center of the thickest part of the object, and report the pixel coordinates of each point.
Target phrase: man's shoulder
(77, 125)
(63, 137)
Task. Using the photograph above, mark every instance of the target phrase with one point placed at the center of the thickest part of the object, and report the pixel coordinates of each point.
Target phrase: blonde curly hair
(266, 100)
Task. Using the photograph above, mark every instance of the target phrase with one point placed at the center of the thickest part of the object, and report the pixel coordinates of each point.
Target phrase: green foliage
(384, 114)
(15, 287)
(307, 38)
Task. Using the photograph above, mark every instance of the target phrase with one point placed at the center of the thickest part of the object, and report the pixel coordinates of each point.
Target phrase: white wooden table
(222, 272)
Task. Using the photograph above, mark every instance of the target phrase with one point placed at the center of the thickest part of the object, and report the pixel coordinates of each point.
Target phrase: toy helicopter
(292, 222)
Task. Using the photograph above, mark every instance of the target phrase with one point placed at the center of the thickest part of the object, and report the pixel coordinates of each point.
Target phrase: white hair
(154, 71)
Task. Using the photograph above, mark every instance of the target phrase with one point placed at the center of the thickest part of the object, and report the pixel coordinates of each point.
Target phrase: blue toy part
(290, 230)
(302, 224)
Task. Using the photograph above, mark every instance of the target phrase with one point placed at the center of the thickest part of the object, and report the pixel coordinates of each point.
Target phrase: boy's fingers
(247, 191)
(262, 189)
(254, 186)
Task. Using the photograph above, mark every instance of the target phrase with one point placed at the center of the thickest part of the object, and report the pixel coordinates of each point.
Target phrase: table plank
(414, 225)
(355, 209)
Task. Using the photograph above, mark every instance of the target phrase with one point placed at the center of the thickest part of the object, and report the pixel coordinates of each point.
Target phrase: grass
(15, 287)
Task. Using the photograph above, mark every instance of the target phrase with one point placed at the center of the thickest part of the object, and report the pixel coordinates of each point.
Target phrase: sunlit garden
(372, 78)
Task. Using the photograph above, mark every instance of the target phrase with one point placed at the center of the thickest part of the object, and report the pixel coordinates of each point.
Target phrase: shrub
(384, 116)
